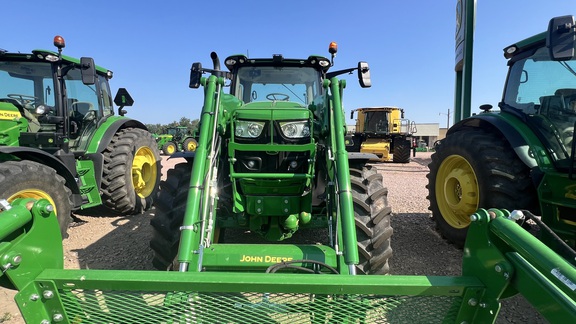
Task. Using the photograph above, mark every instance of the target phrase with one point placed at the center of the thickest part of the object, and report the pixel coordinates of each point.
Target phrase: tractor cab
(541, 88)
(60, 100)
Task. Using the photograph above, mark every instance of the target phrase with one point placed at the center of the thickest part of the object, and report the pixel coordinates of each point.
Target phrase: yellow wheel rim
(457, 192)
(144, 172)
(170, 149)
(35, 194)
(191, 146)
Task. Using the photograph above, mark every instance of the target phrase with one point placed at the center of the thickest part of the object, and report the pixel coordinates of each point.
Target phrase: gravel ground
(106, 241)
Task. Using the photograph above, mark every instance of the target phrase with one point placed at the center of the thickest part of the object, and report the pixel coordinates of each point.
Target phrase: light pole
(447, 118)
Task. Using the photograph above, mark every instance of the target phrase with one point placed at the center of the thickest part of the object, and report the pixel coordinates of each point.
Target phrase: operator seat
(568, 95)
(78, 112)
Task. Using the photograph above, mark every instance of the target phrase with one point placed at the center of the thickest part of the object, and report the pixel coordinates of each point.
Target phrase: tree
(191, 125)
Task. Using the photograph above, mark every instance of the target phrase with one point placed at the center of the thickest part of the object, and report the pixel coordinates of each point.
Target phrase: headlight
(248, 129)
(295, 129)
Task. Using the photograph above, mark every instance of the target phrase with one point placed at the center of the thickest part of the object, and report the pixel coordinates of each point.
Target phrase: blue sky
(150, 45)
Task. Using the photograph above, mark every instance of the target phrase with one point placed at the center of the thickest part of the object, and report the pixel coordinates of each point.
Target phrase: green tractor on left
(60, 139)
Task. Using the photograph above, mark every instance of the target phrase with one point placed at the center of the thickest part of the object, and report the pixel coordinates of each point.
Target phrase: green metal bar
(458, 98)
(258, 282)
(270, 175)
(508, 260)
(551, 265)
(466, 17)
(13, 219)
(553, 304)
(32, 250)
(189, 241)
(343, 175)
(273, 147)
(468, 55)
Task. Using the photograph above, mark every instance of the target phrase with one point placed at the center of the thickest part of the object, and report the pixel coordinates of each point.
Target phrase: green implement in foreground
(501, 259)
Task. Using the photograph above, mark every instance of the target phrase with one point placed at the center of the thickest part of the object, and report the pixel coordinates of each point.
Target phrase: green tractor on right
(522, 156)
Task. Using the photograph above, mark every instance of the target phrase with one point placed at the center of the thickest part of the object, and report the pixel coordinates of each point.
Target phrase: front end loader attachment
(501, 259)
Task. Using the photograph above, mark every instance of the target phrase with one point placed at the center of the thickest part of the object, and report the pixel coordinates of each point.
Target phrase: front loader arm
(342, 169)
(191, 230)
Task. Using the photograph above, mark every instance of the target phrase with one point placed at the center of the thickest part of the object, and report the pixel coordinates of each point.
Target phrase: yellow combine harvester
(382, 131)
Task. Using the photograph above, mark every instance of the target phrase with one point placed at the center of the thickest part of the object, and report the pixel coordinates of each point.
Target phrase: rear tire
(472, 169)
(372, 215)
(169, 216)
(401, 152)
(132, 173)
(190, 145)
(27, 179)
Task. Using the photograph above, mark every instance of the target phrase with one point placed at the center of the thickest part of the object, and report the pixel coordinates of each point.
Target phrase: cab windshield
(26, 84)
(267, 83)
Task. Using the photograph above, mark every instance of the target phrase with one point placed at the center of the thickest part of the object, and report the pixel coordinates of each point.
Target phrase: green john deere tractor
(522, 156)
(60, 139)
(177, 139)
(272, 161)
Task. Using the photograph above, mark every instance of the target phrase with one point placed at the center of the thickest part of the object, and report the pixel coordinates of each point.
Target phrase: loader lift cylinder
(192, 215)
(343, 178)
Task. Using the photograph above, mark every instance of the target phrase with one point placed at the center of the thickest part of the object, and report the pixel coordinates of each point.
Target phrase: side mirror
(88, 70)
(364, 75)
(195, 75)
(123, 99)
(561, 38)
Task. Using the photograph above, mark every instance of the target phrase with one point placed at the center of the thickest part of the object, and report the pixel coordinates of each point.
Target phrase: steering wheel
(89, 116)
(567, 135)
(276, 96)
(23, 98)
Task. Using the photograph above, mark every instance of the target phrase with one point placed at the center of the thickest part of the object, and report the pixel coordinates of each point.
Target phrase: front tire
(169, 148)
(472, 169)
(372, 215)
(169, 216)
(27, 179)
(401, 152)
(132, 173)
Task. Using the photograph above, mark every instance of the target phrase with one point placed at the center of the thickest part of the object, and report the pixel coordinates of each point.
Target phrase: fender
(103, 137)
(508, 126)
(113, 127)
(362, 157)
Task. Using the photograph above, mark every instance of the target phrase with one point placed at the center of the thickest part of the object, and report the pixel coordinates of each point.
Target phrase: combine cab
(383, 131)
